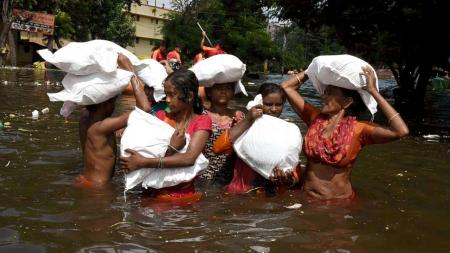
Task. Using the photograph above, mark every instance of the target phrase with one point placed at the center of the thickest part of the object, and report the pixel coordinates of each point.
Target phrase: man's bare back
(97, 129)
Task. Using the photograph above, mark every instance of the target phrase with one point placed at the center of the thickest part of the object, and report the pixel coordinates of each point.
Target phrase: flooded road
(403, 194)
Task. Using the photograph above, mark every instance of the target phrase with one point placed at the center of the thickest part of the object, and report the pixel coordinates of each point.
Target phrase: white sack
(153, 74)
(221, 68)
(258, 100)
(150, 137)
(342, 71)
(270, 142)
(92, 89)
(84, 58)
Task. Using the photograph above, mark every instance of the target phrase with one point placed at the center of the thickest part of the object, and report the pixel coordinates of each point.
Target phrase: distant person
(199, 57)
(210, 51)
(335, 137)
(175, 54)
(97, 129)
(160, 53)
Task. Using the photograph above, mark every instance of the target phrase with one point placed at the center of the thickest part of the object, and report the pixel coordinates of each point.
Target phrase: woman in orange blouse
(335, 137)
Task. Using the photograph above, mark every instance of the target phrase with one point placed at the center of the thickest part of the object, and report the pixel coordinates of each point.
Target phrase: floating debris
(431, 136)
(348, 217)
(294, 206)
(400, 175)
(7, 164)
(45, 110)
(35, 114)
(260, 249)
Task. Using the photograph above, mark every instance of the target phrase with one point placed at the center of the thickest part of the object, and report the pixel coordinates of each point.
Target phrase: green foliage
(239, 25)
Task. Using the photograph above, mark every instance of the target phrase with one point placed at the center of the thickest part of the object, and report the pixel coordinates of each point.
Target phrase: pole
(199, 26)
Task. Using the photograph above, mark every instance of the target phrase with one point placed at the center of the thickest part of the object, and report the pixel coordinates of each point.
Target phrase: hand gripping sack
(150, 136)
(270, 142)
(342, 71)
(221, 68)
(84, 58)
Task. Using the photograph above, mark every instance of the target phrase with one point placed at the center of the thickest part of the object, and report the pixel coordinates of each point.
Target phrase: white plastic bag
(150, 137)
(270, 142)
(342, 71)
(92, 89)
(84, 58)
(258, 100)
(221, 68)
(153, 74)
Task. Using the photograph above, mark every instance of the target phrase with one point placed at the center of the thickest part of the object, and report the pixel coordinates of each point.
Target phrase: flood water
(403, 194)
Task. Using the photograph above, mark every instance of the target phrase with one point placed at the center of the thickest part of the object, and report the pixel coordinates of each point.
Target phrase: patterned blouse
(220, 168)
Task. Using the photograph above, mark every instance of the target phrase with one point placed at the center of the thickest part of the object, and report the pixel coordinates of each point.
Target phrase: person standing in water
(335, 137)
(160, 53)
(245, 179)
(210, 51)
(220, 168)
(181, 89)
(97, 129)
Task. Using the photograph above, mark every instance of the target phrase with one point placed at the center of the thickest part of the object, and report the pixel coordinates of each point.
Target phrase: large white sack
(84, 58)
(92, 89)
(342, 71)
(221, 68)
(150, 136)
(270, 142)
(153, 74)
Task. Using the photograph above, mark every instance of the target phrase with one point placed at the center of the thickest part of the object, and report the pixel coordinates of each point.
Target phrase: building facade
(149, 20)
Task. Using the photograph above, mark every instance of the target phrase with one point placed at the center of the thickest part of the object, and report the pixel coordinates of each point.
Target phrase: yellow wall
(148, 21)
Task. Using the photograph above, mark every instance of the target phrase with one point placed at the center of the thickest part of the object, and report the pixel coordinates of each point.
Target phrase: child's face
(221, 93)
(273, 104)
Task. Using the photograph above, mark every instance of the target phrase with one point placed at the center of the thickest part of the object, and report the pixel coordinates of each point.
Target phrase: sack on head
(343, 71)
(221, 68)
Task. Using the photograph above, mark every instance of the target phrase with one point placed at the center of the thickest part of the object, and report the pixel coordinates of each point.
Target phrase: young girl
(246, 179)
(220, 168)
(181, 89)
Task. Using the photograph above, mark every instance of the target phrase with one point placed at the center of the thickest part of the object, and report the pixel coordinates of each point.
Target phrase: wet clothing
(245, 179)
(174, 55)
(183, 190)
(211, 51)
(220, 168)
(342, 147)
(158, 55)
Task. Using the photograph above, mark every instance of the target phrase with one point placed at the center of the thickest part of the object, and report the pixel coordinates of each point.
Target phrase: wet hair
(185, 81)
(358, 106)
(268, 88)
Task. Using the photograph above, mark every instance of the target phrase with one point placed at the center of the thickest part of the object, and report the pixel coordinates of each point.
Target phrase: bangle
(160, 163)
(298, 78)
(393, 116)
(174, 149)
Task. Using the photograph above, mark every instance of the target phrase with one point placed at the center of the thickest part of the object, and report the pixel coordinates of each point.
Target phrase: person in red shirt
(175, 54)
(160, 53)
(210, 51)
(199, 57)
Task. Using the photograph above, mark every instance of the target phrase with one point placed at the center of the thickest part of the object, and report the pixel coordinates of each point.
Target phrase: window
(156, 20)
(137, 40)
(138, 17)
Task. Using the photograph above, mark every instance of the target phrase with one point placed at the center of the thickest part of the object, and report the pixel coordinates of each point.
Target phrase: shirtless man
(97, 129)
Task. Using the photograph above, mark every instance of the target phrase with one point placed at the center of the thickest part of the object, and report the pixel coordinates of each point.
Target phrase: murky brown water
(403, 190)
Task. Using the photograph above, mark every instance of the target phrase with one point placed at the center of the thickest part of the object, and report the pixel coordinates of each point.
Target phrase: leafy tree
(240, 25)
(398, 34)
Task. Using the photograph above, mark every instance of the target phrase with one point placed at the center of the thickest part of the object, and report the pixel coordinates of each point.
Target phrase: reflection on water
(402, 187)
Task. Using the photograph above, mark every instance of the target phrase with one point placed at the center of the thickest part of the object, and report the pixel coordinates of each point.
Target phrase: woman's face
(221, 93)
(334, 100)
(173, 98)
(273, 104)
